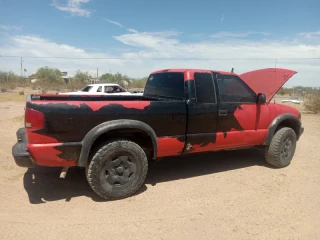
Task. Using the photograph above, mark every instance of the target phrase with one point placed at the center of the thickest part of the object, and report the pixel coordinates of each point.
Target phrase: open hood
(267, 81)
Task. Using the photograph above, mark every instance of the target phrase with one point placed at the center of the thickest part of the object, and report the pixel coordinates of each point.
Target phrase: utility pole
(292, 92)
(21, 67)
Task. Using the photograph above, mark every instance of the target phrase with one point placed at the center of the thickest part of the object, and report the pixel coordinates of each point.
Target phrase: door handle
(223, 112)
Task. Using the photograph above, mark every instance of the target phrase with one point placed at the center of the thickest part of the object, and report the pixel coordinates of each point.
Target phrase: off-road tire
(103, 169)
(278, 153)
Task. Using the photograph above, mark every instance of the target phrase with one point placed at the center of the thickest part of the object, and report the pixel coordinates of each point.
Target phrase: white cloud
(244, 55)
(62, 56)
(72, 6)
(8, 27)
(315, 34)
(235, 35)
(114, 22)
(154, 40)
(148, 51)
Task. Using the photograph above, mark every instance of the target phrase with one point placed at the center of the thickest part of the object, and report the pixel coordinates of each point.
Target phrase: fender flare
(102, 128)
(275, 123)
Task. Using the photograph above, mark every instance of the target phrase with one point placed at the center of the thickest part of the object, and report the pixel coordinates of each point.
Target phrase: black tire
(117, 170)
(282, 148)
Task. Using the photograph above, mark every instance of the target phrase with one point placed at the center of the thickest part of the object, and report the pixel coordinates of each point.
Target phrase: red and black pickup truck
(182, 111)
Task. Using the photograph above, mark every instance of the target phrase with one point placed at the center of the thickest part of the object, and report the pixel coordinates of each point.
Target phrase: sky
(137, 37)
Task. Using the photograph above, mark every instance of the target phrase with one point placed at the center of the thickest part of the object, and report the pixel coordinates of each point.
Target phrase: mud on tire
(282, 148)
(117, 170)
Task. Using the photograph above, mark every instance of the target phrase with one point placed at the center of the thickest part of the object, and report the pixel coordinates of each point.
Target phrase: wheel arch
(283, 120)
(113, 127)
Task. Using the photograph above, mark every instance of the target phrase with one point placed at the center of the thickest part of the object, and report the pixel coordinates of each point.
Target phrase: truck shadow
(42, 184)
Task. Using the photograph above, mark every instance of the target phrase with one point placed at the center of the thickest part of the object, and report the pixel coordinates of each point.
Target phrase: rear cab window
(204, 85)
(167, 84)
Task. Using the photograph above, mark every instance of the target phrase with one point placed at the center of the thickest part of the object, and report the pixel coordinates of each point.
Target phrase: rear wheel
(117, 170)
(282, 148)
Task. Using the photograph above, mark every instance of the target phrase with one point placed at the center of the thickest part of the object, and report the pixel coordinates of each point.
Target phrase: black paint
(69, 151)
(203, 139)
(70, 123)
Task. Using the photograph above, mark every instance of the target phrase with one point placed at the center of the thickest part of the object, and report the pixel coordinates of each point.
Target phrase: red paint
(234, 139)
(97, 105)
(255, 137)
(34, 118)
(169, 147)
(267, 81)
(278, 109)
(252, 116)
(46, 155)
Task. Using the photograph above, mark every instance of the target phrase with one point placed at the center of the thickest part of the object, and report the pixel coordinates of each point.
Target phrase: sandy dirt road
(225, 195)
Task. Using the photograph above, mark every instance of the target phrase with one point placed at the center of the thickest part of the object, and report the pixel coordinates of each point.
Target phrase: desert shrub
(312, 103)
(12, 86)
(43, 91)
(3, 89)
(75, 85)
(34, 86)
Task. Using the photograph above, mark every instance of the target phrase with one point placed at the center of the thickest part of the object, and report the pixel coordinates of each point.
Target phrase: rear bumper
(20, 152)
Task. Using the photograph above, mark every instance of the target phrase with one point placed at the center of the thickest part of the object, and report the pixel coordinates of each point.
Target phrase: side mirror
(261, 98)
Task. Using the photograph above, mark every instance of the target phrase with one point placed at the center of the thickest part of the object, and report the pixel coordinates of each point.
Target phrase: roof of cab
(191, 70)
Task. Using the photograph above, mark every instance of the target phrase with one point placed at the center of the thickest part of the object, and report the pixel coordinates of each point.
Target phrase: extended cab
(182, 111)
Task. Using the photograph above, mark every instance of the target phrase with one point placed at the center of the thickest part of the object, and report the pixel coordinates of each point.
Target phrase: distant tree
(122, 80)
(138, 83)
(282, 91)
(10, 80)
(51, 75)
(81, 76)
(106, 78)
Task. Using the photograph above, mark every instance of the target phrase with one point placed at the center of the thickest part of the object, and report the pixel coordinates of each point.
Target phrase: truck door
(202, 113)
(238, 115)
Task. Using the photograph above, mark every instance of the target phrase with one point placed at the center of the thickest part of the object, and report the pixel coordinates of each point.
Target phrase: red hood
(268, 80)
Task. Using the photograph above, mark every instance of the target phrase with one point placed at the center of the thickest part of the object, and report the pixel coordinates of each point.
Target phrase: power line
(10, 68)
(151, 58)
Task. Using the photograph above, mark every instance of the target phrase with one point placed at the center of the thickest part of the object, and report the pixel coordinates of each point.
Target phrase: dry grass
(18, 118)
(14, 95)
(278, 99)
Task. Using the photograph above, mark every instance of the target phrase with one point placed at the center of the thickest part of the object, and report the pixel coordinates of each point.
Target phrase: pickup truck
(102, 89)
(182, 111)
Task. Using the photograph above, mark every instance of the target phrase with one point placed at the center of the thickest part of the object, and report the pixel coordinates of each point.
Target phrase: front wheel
(117, 170)
(282, 148)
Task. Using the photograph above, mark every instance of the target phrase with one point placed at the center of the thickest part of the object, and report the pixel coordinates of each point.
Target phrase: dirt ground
(224, 195)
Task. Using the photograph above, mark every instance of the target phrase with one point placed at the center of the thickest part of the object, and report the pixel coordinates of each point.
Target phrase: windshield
(169, 84)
